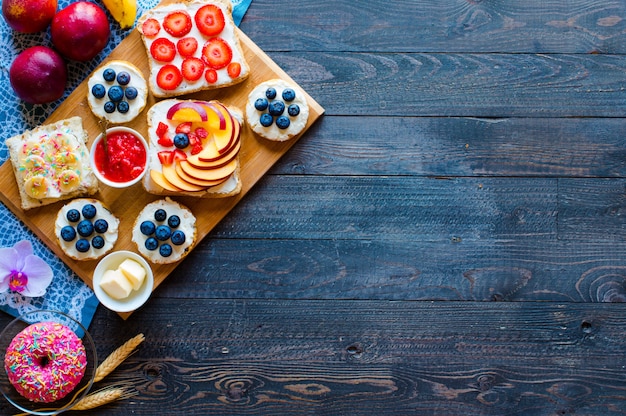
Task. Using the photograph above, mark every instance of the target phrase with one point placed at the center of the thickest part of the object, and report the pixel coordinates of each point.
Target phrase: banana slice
(36, 187)
(66, 160)
(68, 180)
(34, 162)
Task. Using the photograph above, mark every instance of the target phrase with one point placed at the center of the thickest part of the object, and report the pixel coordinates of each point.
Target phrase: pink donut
(45, 362)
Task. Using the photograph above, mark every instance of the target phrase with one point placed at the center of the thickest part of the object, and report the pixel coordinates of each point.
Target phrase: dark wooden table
(449, 239)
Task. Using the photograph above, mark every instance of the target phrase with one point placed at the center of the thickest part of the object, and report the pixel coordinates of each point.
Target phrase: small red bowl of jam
(122, 159)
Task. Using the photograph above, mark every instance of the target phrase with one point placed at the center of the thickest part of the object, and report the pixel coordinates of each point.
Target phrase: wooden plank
(455, 84)
(451, 146)
(534, 26)
(515, 269)
(237, 357)
(256, 157)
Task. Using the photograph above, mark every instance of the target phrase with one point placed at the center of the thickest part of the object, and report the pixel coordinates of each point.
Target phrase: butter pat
(134, 272)
(115, 284)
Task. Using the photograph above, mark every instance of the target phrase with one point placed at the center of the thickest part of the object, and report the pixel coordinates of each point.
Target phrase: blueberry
(165, 250)
(282, 122)
(89, 211)
(151, 244)
(85, 228)
(178, 237)
(160, 215)
(131, 93)
(293, 110)
(123, 107)
(163, 232)
(109, 107)
(181, 140)
(276, 108)
(270, 93)
(97, 241)
(82, 245)
(289, 94)
(98, 90)
(101, 226)
(68, 233)
(266, 120)
(147, 227)
(116, 93)
(109, 75)
(73, 215)
(261, 104)
(123, 78)
(173, 221)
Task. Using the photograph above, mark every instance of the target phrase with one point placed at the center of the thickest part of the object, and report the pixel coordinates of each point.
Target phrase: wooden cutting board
(257, 156)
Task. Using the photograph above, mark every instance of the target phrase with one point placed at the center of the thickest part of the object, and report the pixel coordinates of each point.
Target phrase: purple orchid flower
(22, 271)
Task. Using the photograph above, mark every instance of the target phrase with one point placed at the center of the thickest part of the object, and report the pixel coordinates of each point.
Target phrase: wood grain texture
(457, 84)
(460, 146)
(447, 240)
(359, 357)
(535, 26)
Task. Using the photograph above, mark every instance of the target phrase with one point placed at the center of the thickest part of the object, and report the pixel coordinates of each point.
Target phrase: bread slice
(51, 163)
(159, 249)
(279, 125)
(219, 59)
(197, 169)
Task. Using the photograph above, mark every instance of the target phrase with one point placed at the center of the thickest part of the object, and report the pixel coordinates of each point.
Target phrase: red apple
(80, 31)
(38, 75)
(28, 16)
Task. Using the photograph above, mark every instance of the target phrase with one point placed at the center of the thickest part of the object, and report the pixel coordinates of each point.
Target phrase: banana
(68, 180)
(36, 187)
(123, 11)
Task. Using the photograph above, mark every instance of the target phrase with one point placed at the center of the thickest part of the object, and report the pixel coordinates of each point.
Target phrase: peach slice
(160, 180)
(224, 137)
(217, 162)
(196, 181)
(215, 118)
(187, 111)
(169, 172)
(211, 152)
(209, 174)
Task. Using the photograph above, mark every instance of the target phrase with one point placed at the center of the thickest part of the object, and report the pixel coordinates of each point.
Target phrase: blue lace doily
(67, 293)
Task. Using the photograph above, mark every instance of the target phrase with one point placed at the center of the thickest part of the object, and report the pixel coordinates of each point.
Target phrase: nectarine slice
(209, 174)
(158, 178)
(169, 172)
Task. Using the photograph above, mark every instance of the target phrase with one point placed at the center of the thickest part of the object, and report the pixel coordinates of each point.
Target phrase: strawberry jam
(124, 158)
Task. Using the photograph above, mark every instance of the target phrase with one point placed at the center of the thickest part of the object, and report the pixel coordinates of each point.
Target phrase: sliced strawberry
(192, 68)
(197, 148)
(202, 133)
(217, 53)
(162, 128)
(166, 157)
(211, 76)
(187, 46)
(177, 23)
(169, 77)
(193, 138)
(163, 50)
(234, 69)
(150, 27)
(166, 140)
(184, 128)
(179, 155)
(210, 20)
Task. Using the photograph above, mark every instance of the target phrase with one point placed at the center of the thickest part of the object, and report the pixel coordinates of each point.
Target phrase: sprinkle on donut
(45, 362)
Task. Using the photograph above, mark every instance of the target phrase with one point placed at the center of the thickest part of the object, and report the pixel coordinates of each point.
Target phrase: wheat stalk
(117, 357)
(102, 397)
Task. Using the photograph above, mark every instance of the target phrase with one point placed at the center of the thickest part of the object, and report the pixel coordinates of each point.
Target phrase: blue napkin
(67, 293)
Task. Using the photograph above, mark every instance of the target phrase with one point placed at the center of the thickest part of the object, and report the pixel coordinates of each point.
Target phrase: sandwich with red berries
(192, 45)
